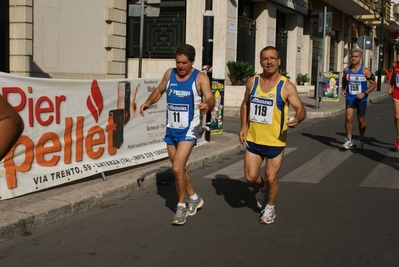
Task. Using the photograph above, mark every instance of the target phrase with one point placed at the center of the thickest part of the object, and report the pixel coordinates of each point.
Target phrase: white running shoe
(180, 216)
(193, 205)
(348, 143)
(267, 216)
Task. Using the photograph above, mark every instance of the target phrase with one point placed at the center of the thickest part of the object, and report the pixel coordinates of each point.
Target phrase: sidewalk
(21, 215)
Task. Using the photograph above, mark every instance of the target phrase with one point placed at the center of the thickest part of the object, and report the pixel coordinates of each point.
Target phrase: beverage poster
(217, 111)
(331, 86)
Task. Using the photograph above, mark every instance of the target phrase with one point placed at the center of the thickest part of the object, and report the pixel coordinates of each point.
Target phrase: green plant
(239, 72)
(302, 78)
(285, 74)
(383, 72)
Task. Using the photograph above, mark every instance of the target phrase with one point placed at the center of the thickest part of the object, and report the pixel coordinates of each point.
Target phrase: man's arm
(11, 127)
(205, 86)
(371, 79)
(291, 94)
(242, 135)
(157, 93)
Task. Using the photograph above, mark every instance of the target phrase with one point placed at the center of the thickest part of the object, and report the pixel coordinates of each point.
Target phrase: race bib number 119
(261, 110)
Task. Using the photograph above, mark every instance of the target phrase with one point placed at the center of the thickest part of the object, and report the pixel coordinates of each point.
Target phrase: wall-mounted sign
(300, 6)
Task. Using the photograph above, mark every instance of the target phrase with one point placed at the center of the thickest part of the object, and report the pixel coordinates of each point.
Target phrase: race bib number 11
(177, 116)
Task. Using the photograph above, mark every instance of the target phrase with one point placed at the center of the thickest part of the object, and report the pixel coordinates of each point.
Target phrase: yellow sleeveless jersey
(268, 113)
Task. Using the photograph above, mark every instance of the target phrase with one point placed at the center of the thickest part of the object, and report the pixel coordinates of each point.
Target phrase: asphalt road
(335, 208)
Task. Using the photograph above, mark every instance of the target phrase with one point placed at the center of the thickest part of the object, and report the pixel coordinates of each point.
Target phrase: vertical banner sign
(217, 111)
(331, 86)
(78, 128)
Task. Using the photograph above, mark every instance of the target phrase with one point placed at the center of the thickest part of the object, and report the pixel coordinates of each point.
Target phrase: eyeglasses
(271, 59)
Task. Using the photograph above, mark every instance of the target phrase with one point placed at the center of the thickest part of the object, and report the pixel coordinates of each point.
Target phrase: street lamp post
(381, 45)
(377, 3)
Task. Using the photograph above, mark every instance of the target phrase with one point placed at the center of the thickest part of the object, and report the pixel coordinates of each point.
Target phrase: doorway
(281, 39)
(4, 36)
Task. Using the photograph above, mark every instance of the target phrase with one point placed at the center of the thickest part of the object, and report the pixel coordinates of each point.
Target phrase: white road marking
(236, 171)
(385, 174)
(317, 168)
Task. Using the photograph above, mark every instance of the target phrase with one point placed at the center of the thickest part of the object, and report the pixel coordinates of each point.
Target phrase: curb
(118, 185)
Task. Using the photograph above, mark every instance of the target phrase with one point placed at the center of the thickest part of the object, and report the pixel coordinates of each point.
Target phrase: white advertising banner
(78, 128)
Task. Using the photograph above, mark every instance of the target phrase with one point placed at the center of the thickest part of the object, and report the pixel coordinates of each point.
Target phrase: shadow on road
(390, 161)
(369, 153)
(167, 190)
(332, 142)
(238, 194)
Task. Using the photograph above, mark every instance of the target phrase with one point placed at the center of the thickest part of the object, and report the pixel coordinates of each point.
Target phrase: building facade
(104, 39)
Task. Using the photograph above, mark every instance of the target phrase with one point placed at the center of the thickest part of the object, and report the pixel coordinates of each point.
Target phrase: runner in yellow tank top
(268, 113)
(264, 124)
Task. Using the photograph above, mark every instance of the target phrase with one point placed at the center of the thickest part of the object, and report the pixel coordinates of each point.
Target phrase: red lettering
(37, 110)
(15, 90)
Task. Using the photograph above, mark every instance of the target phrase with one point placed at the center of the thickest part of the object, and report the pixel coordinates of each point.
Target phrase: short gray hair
(357, 50)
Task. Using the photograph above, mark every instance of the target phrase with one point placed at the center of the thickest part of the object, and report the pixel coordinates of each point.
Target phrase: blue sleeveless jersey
(355, 83)
(183, 115)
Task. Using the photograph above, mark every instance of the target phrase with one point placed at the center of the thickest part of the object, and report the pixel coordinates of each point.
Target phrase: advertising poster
(331, 86)
(217, 111)
(78, 128)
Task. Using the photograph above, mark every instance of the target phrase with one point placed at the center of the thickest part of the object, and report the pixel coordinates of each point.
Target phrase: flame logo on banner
(96, 97)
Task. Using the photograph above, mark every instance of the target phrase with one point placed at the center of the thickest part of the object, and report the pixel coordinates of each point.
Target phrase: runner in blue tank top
(355, 89)
(185, 88)
(183, 115)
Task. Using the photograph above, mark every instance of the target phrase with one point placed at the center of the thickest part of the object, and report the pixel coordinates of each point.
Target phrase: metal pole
(324, 52)
(381, 48)
(141, 37)
(207, 54)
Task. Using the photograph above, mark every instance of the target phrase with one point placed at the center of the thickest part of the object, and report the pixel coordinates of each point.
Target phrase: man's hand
(203, 107)
(143, 107)
(242, 136)
(292, 123)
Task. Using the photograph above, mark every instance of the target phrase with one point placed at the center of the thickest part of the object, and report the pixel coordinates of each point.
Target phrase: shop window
(161, 34)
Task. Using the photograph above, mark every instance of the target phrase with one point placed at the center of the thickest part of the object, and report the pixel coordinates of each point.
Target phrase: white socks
(182, 205)
(194, 197)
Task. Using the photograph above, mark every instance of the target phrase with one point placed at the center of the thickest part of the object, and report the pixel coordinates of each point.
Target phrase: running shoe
(261, 199)
(348, 143)
(180, 216)
(397, 144)
(193, 205)
(360, 145)
(267, 216)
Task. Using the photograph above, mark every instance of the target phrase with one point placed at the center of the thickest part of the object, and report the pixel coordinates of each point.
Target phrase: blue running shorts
(262, 150)
(171, 140)
(359, 106)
